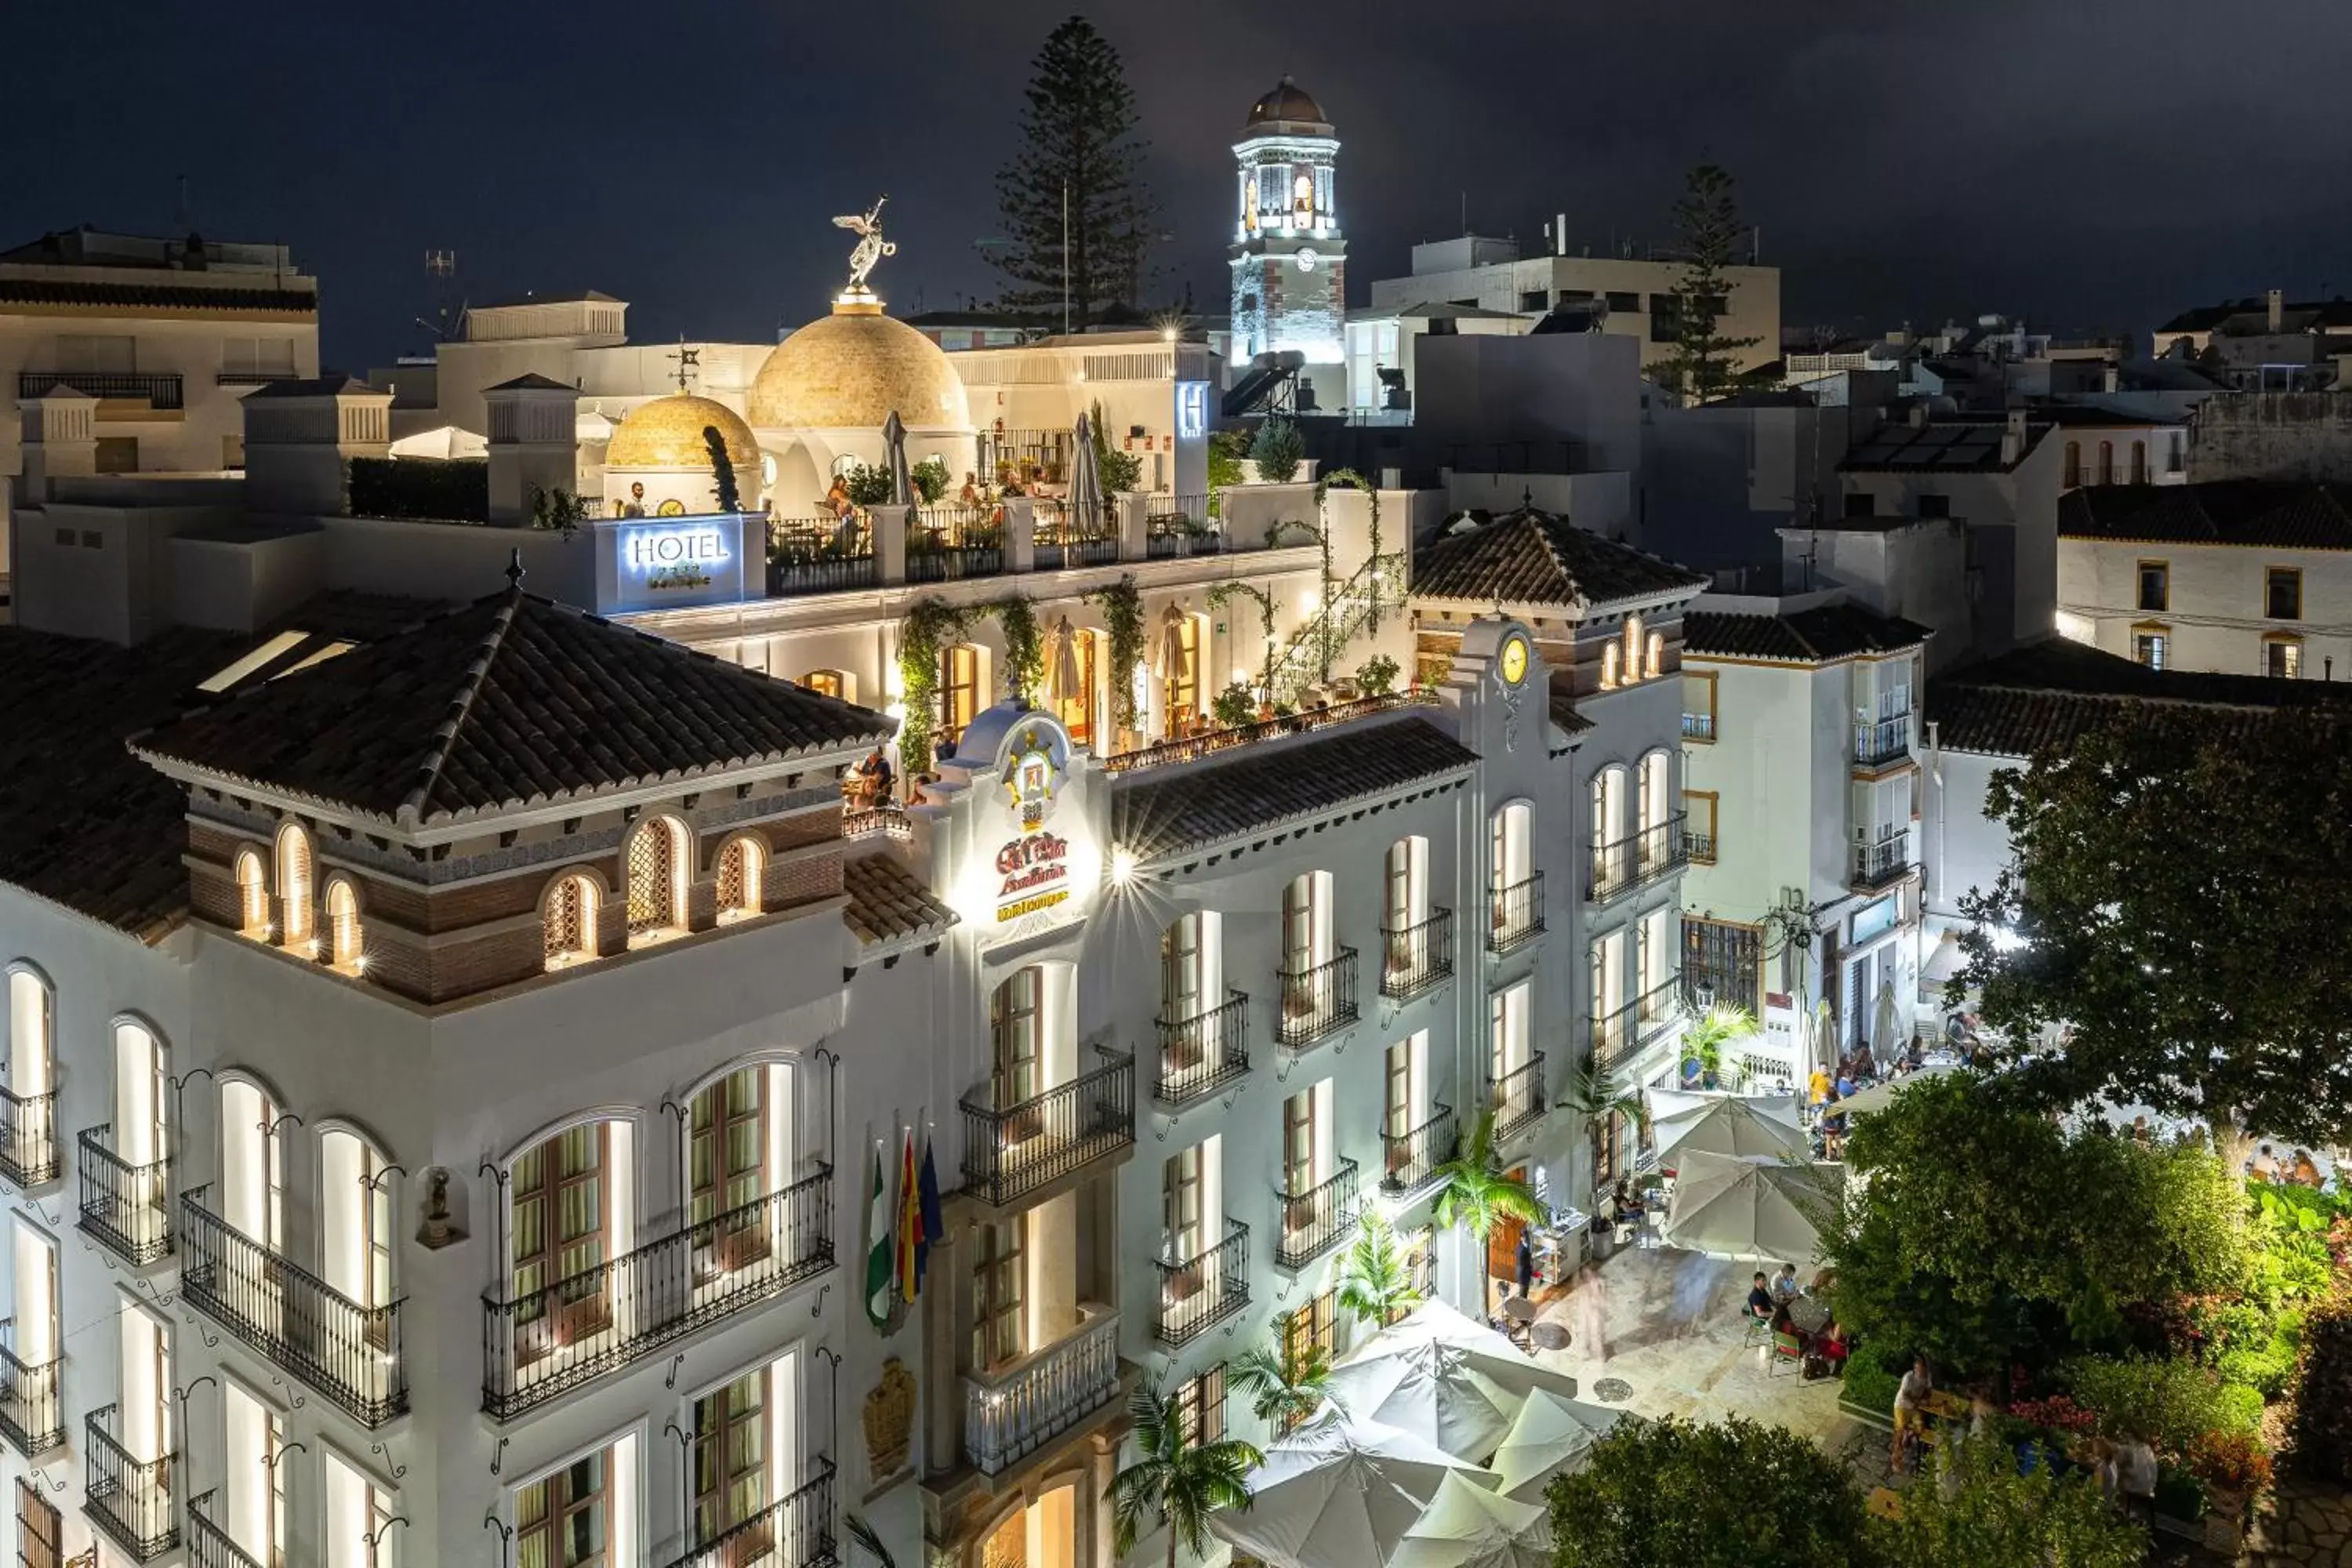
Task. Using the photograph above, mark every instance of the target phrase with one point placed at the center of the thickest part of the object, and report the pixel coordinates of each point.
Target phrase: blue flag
(934, 1228)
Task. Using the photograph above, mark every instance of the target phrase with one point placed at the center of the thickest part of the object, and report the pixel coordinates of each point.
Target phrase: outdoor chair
(1756, 1331)
(1785, 1348)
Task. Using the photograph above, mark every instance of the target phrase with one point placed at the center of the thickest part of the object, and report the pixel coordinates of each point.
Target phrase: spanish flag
(910, 1219)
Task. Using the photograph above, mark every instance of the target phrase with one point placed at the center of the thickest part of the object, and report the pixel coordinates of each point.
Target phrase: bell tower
(1289, 256)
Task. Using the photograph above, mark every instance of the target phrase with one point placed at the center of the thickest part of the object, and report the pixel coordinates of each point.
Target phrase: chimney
(2012, 438)
(2275, 304)
(2111, 379)
(1559, 234)
(1919, 415)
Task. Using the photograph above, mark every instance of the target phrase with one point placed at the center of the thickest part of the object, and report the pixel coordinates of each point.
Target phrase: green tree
(1724, 1025)
(1709, 235)
(1739, 1495)
(1594, 1094)
(1077, 138)
(1476, 1197)
(1285, 1385)
(1121, 469)
(1277, 449)
(1175, 1480)
(1986, 1515)
(1375, 1278)
(2172, 905)
(723, 470)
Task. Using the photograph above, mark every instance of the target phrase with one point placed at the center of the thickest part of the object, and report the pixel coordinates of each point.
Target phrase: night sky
(2088, 163)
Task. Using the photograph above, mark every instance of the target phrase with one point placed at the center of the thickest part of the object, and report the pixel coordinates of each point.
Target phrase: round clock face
(1515, 660)
(1306, 260)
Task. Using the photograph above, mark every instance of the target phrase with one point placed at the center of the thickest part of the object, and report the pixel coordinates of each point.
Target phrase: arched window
(1634, 647)
(2074, 475)
(294, 883)
(252, 894)
(656, 879)
(740, 866)
(1653, 653)
(28, 1139)
(2139, 462)
(571, 921)
(344, 949)
(357, 1247)
(2106, 462)
(1613, 657)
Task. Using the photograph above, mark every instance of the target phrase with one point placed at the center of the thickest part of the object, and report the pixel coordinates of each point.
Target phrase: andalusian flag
(877, 1245)
(910, 1219)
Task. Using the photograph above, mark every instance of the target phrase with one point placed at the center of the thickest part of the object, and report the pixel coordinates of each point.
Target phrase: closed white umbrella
(1431, 1388)
(1170, 660)
(1062, 663)
(894, 446)
(1338, 1494)
(1086, 482)
(1760, 1125)
(1551, 1436)
(1750, 1207)
(1467, 1526)
(1888, 1020)
(1881, 1095)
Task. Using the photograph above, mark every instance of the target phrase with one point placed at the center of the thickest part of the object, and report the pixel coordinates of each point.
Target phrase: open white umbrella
(1729, 1124)
(443, 441)
(1750, 1207)
(1062, 663)
(1085, 501)
(1431, 1388)
(1467, 1526)
(1881, 1095)
(1338, 1494)
(1490, 1353)
(1551, 1436)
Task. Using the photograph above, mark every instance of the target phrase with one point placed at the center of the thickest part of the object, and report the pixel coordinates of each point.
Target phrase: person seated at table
(1785, 1322)
(2264, 1166)
(838, 501)
(1844, 1086)
(969, 494)
(1830, 1344)
(2136, 1478)
(2303, 1170)
(1911, 1405)
(1844, 1065)
(1784, 1284)
(1864, 1065)
(1759, 1301)
(874, 779)
(1833, 1125)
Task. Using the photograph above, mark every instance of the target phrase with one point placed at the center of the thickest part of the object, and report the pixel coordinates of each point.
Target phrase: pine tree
(1078, 132)
(1710, 230)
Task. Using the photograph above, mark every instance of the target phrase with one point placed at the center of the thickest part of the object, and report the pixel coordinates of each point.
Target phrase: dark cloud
(2088, 162)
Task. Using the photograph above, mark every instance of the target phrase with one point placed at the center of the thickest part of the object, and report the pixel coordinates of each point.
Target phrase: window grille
(568, 920)
(652, 879)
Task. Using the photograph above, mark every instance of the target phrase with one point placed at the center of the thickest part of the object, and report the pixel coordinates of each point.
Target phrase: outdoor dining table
(1809, 1313)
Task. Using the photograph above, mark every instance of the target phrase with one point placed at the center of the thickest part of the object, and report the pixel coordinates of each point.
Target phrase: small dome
(668, 433)
(1288, 104)
(850, 370)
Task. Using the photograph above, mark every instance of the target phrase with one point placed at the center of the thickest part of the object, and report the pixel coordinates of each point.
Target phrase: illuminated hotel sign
(675, 562)
(658, 547)
(1033, 870)
(1192, 410)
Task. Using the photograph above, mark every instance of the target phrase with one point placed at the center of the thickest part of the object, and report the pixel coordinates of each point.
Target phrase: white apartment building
(1801, 792)
(2235, 577)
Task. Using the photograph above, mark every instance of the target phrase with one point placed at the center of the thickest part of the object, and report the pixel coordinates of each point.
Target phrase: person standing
(1911, 1405)
(1525, 1259)
(2136, 1478)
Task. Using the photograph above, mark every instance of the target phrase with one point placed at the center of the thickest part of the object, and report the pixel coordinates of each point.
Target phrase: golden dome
(668, 433)
(849, 370)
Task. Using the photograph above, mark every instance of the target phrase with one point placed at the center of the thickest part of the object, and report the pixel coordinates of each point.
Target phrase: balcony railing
(1011, 1414)
(1318, 1000)
(1201, 1054)
(1410, 1162)
(883, 819)
(1190, 748)
(128, 1208)
(1516, 915)
(1416, 958)
(1883, 860)
(795, 1532)
(209, 1545)
(1698, 848)
(1017, 1149)
(155, 391)
(131, 1500)
(1637, 859)
(32, 1417)
(948, 543)
(1516, 1097)
(547, 1340)
(1316, 1220)
(1064, 540)
(347, 1352)
(1197, 1293)
(29, 1138)
(1698, 726)
(1887, 741)
(820, 555)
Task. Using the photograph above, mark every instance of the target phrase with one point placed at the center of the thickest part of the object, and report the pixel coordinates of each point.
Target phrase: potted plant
(1234, 706)
(1376, 676)
(1724, 1024)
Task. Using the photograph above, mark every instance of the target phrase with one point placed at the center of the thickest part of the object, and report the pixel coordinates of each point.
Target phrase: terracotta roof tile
(2271, 515)
(1532, 557)
(173, 296)
(2049, 693)
(887, 901)
(1816, 636)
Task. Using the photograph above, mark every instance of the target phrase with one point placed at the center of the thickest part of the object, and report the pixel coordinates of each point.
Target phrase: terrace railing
(133, 1501)
(1013, 1410)
(796, 1532)
(1318, 1219)
(1515, 914)
(29, 1138)
(1410, 1159)
(820, 554)
(1012, 1150)
(1516, 1097)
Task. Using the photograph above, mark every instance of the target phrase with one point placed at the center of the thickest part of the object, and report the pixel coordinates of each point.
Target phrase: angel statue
(871, 247)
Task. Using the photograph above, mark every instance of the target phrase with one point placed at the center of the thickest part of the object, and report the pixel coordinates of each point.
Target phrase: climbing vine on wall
(928, 626)
(1122, 612)
(1349, 479)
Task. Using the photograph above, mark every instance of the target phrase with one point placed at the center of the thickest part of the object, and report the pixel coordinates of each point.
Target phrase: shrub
(1234, 706)
(868, 485)
(1376, 676)
(1869, 1384)
(931, 478)
(2265, 1360)
(2171, 1403)
(2322, 1433)
(2055, 1414)
(1277, 450)
(1739, 1495)
(1989, 1510)
(452, 490)
(2231, 1461)
(1119, 470)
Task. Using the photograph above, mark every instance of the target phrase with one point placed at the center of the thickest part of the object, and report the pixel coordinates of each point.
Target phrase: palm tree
(1476, 1195)
(1594, 1094)
(1724, 1024)
(1375, 1281)
(1284, 1386)
(868, 1538)
(1176, 1481)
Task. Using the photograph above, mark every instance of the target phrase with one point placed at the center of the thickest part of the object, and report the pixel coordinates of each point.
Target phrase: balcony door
(744, 1460)
(356, 1220)
(40, 1531)
(1607, 826)
(1507, 1034)
(146, 1401)
(255, 1476)
(732, 1166)
(1405, 905)
(999, 1295)
(560, 1220)
(252, 1164)
(565, 1519)
(1656, 783)
(1306, 941)
(1184, 959)
(141, 1096)
(32, 1072)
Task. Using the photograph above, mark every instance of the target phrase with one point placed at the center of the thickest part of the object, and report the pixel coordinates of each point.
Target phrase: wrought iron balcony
(797, 1531)
(1417, 958)
(1201, 1054)
(1636, 860)
(883, 819)
(1197, 1293)
(1698, 726)
(1013, 1410)
(1017, 1149)
(1410, 1162)
(949, 543)
(347, 1352)
(1516, 1097)
(126, 1207)
(31, 1415)
(159, 392)
(1887, 741)
(209, 1545)
(1516, 915)
(1316, 1220)
(1698, 848)
(29, 1138)
(1317, 1001)
(547, 1341)
(133, 1501)
(1882, 861)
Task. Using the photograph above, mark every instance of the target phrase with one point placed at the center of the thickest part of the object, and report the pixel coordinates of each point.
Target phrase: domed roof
(850, 370)
(1287, 104)
(668, 433)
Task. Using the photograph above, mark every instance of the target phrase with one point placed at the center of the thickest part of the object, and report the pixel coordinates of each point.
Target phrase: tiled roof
(82, 822)
(1532, 557)
(2049, 693)
(510, 701)
(156, 296)
(1816, 636)
(2332, 313)
(887, 901)
(1939, 447)
(2279, 516)
(1166, 811)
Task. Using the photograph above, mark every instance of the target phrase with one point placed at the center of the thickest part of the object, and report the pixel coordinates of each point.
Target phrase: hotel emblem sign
(1033, 868)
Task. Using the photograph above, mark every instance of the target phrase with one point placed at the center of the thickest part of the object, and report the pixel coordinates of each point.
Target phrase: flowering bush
(2230, 1461)
(2055, 1414)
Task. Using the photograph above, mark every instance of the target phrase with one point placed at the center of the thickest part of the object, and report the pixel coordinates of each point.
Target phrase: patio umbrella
(1489, 1352)
(1881, 1095)
(1467, 1526)
(894, 447)
(1550, 1436)
(1086, 502)
(1729, 1124)
(1887, 1021)
(1431, 1388)
(445, 441)
(1168, 661)
(1062, 663)
(1338, 1494)
(1755, 1208)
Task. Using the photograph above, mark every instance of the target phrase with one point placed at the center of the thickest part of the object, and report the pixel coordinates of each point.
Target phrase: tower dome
(1288, 107)
(668, 433)
(851, 369)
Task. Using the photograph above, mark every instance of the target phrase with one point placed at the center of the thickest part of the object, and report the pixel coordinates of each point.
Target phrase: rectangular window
(1532, 299)
(2282, 594)
(1200, 1403)
(1935, 505)
(998, 1275)
(41, 1533)
(1076, 711)
(959, 692)
(1181, 1206)
(118, 454)
(1698, 706)
(1721, 962)
(1014, 1026)
(1397, 1107)
(564, 1520)
(2282, 658)
(2149, 647)
(1183, 682)
(824, 683)
(1299, 1142)
(559, 1212)
(1861, 503)
(1314, 1326)
(1698, 826)
(2155, 586)
(1624, 299)
(730, 1460)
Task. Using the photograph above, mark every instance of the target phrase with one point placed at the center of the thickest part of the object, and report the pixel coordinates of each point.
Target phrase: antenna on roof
(514, 569)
